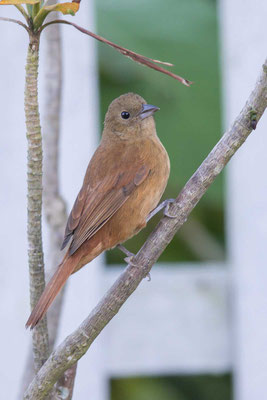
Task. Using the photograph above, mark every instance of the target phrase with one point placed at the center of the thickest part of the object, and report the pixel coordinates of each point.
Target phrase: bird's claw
(129, 260)
(164, 205)
(149, 277)
(166, 209)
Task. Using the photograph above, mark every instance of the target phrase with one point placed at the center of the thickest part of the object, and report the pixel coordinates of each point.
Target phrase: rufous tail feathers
(53, 287)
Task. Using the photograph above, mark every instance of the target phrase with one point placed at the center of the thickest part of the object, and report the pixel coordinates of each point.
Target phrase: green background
(185, 33)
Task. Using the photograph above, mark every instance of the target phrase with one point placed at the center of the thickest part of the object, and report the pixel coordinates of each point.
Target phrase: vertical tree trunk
(34, 180)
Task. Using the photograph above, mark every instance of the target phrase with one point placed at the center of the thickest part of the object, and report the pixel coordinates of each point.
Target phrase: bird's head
(130, 116)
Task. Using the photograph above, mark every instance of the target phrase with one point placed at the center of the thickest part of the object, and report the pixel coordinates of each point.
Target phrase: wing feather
(95, 206)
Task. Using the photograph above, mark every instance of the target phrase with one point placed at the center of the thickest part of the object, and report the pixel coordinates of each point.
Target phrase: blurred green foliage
(185, 33)
(203, 387)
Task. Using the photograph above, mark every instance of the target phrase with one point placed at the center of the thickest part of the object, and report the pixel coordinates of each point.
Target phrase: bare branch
(15, 21)
(149, 62)
(76, 344)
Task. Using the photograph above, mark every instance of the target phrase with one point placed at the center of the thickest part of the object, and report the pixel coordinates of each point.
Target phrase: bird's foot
(165, 204)
(130, 257)
(166, 209)
(129, 260)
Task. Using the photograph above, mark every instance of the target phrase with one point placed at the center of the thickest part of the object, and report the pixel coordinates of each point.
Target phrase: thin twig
(77, 344)
(15, 21)
(23, 12)
(149, 62)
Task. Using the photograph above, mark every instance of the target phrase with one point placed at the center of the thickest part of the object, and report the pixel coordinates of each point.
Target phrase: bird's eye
(125, 115)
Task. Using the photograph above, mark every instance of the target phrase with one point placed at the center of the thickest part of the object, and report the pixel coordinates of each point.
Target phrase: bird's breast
(131, 217)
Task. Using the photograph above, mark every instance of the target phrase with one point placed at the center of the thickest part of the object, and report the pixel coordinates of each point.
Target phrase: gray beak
(147, 110)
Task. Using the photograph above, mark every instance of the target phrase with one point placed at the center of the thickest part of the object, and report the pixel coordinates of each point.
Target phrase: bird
(123, 184)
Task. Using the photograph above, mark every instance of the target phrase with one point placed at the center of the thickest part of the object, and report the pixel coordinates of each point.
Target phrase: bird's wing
(95, 206)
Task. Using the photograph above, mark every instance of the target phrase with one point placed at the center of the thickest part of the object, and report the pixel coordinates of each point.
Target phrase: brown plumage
(124, 181)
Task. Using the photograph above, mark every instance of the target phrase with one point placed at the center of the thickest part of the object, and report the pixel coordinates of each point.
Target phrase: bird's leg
(129, 255)
(129, 258)
(165, 204)
(125, 251)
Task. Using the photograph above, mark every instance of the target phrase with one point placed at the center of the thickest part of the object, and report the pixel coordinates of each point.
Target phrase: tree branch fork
(77, 343)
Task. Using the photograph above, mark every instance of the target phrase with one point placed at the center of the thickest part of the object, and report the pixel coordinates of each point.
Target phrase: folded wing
(94, 206)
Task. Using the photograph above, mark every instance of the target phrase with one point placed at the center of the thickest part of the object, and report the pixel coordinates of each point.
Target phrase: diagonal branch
(76, 344)
(149, 62)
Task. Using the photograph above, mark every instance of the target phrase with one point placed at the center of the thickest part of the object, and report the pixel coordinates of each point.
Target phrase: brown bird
(124, 182)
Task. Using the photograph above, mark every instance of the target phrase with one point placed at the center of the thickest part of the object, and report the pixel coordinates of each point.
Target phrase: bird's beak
(147, 110)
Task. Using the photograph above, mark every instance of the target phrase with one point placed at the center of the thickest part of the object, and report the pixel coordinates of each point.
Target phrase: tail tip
(31, 323)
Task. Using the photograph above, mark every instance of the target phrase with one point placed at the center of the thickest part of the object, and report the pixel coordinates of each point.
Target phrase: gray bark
(34, 180)
(54, 206)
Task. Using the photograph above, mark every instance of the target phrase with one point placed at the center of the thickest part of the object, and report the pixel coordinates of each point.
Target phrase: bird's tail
(53, 287)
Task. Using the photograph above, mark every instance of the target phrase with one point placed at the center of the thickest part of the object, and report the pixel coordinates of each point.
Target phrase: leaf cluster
(36, 11)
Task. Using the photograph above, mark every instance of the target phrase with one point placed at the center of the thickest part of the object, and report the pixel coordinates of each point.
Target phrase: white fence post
(244, 38)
